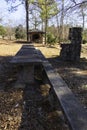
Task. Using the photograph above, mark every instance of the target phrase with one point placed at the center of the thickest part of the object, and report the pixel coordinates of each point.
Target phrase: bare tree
(83, 10)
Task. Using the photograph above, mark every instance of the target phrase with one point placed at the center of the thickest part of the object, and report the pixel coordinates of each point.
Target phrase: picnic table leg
(25, 76)
(28, 74)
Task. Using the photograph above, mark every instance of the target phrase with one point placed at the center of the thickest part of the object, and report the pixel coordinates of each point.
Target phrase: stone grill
(71, 52)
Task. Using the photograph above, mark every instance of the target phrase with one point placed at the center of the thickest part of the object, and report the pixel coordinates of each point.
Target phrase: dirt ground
(13, 102)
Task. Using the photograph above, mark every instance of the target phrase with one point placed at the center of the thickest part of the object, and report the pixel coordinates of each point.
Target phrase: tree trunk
(46, 20)
(27, 18)
(62, 21)
(83, 19)
(42, 25)
(46, 31)
(58, 29)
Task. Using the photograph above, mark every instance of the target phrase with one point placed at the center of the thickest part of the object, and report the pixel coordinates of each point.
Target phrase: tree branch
(74, 1)
(73, 6)
(14, 8)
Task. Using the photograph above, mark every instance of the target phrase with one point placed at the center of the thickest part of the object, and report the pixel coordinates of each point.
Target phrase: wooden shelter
(36, 36)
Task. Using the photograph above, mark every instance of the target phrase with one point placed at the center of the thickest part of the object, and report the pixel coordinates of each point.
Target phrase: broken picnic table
(26, 57)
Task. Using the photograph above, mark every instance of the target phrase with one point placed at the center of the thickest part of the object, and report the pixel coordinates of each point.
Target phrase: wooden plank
(26, 57)
(26, 52)
(25, 61)
(75, 113)
(26, 49)
(27, 46)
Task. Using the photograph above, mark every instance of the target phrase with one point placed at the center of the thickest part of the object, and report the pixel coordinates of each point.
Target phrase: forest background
(54, 17)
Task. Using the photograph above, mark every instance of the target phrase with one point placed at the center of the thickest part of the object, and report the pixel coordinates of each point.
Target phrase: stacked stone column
(72, 51)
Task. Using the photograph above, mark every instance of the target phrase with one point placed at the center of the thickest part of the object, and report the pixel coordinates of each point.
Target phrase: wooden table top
(26, 55)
